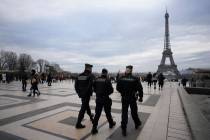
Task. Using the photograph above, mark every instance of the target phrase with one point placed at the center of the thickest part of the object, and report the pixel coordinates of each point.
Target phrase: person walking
(24, 79)
(161, 79)
(154, 79)
(49, 79)
(84, 89)
(149, 79)
(184, 81)
(34, 84)
(128, 86)
(103, 88)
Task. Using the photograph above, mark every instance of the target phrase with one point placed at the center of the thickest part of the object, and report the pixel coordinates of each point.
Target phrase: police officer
(103, 88)
(128, 85)
(84, 89)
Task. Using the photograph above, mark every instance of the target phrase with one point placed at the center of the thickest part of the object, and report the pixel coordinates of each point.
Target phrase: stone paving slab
(7, 136)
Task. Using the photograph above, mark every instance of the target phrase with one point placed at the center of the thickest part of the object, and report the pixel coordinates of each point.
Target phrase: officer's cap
(88, 65)
(129, 67)
(104, 70)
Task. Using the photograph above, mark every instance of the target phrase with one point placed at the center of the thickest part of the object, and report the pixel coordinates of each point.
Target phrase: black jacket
(149, 77)
(129, 85)
(84, 84)
(161, 78)
(24, 76)
(102, 87)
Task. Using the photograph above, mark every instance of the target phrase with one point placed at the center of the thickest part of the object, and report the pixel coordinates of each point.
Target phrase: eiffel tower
(171, 69)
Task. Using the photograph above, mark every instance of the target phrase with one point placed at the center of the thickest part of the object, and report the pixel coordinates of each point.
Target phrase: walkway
(53, 115)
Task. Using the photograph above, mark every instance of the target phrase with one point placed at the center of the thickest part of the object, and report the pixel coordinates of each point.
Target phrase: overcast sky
(107, 33)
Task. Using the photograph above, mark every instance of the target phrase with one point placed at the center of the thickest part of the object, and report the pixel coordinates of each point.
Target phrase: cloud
(27, 10)
(107, 33)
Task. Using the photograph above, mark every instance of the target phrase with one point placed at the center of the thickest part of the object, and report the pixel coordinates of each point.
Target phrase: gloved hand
(140, 99)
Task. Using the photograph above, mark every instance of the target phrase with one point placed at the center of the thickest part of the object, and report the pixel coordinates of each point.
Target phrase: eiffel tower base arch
(169, 71)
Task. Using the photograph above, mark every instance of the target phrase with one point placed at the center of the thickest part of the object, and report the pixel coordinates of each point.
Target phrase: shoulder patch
(128, 79)
(82, 78)
(100, 80)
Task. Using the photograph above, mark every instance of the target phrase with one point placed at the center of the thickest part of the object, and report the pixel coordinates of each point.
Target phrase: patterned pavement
(53, 115)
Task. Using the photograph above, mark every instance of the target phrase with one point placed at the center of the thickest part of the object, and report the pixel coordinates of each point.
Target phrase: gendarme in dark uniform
(128, 86)
(103, 88)
(84, 89)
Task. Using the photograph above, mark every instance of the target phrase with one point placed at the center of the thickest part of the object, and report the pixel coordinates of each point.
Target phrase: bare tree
(11, 60)
(2, 60)
(8, 60)
(42, 64)
(56, 67)
(47, 63)
(25, 61)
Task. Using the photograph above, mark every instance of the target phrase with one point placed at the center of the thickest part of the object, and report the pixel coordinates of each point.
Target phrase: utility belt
(130, 96)
(83, 94)
(103, 99)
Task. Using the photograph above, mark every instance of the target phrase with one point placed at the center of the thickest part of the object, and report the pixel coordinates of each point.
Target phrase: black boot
(137, 125)
(124, 132)
(112, 124)
(92, 117)
(80, 126)
(94, 131)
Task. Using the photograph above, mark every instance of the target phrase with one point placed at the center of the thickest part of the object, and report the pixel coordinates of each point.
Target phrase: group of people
(128, 86)
(35, 79)
(34, 82)
(6, 77)
(154, 78)
(46, 78)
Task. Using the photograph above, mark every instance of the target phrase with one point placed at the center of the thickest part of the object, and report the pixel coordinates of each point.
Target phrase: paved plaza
(52, 115)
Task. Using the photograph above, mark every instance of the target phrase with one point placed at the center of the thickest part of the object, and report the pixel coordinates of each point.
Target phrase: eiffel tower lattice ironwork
(167, 53)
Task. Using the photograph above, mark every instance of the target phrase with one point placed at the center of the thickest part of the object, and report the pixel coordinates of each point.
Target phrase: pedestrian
(161, 79)
(42, 78)
(184, 81)
(4, 77)
(49, 79)
(128, 86)
(118, 75)
(0, 77)
(84, 89)
(103, 88)
(24, 79)
(154, 79)
(8, 77)
(149, 79)
(34, 84)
